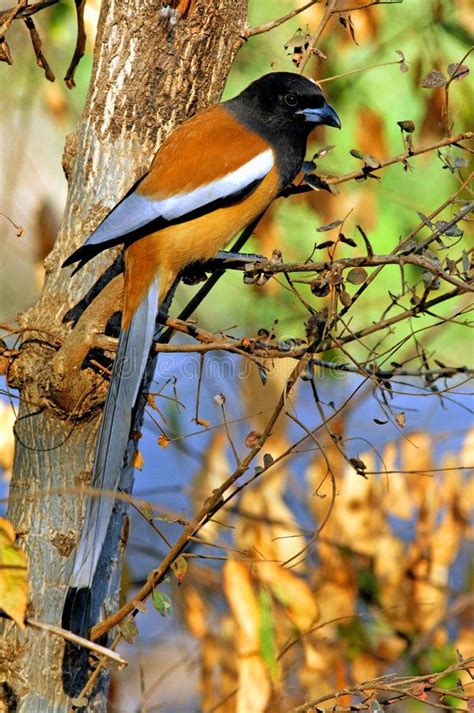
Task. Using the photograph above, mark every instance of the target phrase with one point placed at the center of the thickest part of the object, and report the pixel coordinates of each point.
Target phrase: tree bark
(155, 64)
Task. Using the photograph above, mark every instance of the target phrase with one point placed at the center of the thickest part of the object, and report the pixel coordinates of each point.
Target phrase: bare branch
(22, 10)
(331, 6)
(111, 656)
(267, 26)
(10, 15)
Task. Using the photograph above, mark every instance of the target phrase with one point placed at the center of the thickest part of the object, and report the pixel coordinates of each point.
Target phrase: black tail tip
(76, 611)
(81, 256)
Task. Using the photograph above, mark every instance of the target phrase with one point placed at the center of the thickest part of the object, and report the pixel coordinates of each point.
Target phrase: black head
(283, 98)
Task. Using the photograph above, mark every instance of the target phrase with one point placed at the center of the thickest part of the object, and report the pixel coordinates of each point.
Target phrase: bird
(210, 178)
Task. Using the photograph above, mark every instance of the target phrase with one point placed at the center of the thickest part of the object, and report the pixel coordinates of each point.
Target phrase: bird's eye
(291, 100)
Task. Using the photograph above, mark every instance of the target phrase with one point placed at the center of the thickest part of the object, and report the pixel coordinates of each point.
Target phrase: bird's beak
(324, 115)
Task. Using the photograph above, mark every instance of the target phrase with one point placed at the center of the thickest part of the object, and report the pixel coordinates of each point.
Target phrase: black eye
(291, 100)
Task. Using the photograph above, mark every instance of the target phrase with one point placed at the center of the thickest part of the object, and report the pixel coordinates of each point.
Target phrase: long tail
(128, 369)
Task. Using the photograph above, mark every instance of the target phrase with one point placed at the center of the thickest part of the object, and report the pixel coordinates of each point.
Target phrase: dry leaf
(433, 80)
(458, 72)
(330, 226)
(163, 441)
(180, 567)
(202, 422)
(137, 460)
(356, 276)
(369, 160)
(252, 439)
(345, 298)
(408, 126)
(401, 419)
(293, 593)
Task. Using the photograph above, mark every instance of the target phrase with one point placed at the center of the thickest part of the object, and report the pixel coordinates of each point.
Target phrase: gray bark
(154, 66)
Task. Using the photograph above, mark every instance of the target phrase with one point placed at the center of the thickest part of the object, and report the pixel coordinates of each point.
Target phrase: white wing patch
(136, 211)
(233, 182)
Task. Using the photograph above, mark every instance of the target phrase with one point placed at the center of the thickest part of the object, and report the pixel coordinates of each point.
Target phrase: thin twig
(366, 5)
(26, 11)
(10, 15)
(267, 26)
(112, 656)
(331, 6)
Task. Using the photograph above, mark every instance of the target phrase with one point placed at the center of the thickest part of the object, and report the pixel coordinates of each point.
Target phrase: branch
(367, 171)
(402, 685)
(37, 44)
(331, 6)
(10, 15)
(20, 11)
(112, 656)
(384, 323)
(80, 44)
(267, 26)
(367, 4)
(210, 506)
(271, 267)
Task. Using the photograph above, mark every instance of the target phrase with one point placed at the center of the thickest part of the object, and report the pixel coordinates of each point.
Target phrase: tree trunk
(155, 64)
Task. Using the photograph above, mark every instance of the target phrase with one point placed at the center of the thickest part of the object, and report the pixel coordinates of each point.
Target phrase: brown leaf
(5, 54)
(401, 419)
(329, 226)
(320, 288)
(433, 80)
(358, 465)
(253, 439)
(319, 183)
(150, 399)
(324, 244)
(324, 151)
(180, 567)
(408, 125)
(456, 72)
(163, 441)
(138, 460)
(369, 160)
(347, 22)
(356, 276)
(368, 246)
(345, 298)
(200, 422)
(348, 241)
(425, 219)
(267, 460)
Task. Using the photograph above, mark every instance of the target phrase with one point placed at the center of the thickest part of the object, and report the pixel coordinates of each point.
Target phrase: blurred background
(383, 588)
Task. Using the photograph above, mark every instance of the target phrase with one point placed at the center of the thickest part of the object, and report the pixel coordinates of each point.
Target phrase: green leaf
(13, 575)
(129, 630)
(162, 603)
(268, 647)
